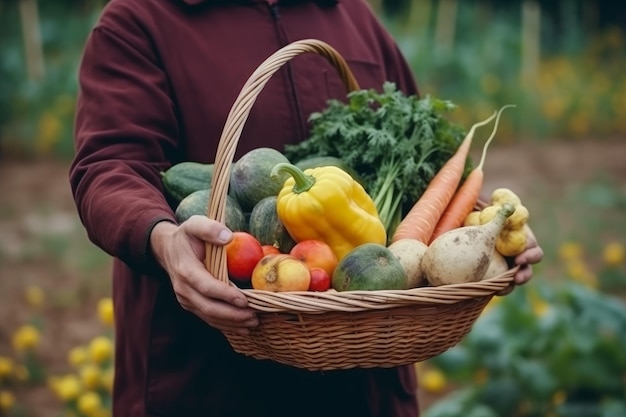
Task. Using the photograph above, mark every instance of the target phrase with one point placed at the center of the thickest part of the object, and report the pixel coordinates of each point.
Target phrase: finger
(218, 311)
(208, 230)
(509, 288)
(523, 274)
(243, 331)
(531, 255)
(221, 324)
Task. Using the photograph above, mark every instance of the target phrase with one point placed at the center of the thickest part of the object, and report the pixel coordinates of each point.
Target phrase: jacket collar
(321, 2)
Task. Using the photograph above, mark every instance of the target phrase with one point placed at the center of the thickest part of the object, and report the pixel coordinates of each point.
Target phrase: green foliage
(395, 142)
(575, 90)
(542, 349)
(36, 116)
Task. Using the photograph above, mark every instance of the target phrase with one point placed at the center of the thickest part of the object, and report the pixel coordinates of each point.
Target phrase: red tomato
(316, 254)
(320, 280)
(270, 250)
(242, 255)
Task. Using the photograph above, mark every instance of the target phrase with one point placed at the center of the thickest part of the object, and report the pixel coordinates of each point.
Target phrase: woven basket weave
(339, 330)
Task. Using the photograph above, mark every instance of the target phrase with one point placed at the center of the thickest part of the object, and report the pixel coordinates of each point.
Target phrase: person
(157, 79)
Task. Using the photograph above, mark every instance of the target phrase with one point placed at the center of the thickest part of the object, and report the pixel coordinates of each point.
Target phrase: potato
(410, 252)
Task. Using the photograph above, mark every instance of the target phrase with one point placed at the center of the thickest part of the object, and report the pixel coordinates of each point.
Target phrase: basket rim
(353, 301)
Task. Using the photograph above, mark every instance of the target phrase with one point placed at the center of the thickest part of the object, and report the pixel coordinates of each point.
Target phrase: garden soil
(42, 242)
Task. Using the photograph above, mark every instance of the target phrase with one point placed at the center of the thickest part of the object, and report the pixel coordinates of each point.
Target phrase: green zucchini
(197, 202)
(184, 178)
(267, 228)
(250, 180)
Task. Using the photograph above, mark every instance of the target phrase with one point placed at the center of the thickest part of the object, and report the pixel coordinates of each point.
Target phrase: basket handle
(215, 259)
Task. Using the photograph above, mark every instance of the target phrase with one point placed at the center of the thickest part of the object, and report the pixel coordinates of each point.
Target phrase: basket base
(364, 339)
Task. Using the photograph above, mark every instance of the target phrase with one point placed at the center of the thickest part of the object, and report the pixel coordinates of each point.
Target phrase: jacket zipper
(283, 41)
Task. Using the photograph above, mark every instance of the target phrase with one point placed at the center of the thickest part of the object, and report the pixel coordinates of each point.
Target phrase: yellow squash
(512, 239)
(327, 204)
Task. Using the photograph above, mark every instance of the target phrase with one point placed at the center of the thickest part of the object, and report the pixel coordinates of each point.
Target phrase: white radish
(410, 253)
(464, 254)
(497, 266)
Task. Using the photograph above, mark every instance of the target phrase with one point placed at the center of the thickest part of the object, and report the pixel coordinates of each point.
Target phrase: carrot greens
(395, 142)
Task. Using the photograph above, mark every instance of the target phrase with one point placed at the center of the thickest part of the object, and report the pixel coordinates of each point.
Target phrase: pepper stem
(303, 181)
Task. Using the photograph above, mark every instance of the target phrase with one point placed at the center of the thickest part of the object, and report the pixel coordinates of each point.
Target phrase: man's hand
(180, 250)
(533, 254)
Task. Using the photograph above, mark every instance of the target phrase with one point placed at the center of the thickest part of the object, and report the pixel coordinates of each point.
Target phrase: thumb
(208, 230)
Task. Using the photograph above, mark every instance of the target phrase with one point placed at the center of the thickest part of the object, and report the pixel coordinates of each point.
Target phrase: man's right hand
(180, 250)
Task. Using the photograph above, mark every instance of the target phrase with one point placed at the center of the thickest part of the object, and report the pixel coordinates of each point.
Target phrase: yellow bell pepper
(327, 204)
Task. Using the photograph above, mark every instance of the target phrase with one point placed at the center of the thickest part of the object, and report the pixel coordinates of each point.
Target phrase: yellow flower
(540, 307)
(101, 349)
(613, 254)
(578, 271)
(6, 367)
(21, 373)
(107, 378)
(34, 295)
(554, 108)
(433, 381)
(481, 376)
(67, 387)
(579, 124)
(77, 356)
(49, 132)
(90, 376)
(26, 338)
(89, 403)
(7, 400)
(569, 251)
(105, 311)
(559, 397)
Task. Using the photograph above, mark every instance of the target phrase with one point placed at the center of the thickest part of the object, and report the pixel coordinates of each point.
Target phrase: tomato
(270, 250)
(242, 255)
(316, 254)
(320, 280)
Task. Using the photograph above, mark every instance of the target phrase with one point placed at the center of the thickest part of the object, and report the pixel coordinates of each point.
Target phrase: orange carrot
(466, 197)
(422, 218)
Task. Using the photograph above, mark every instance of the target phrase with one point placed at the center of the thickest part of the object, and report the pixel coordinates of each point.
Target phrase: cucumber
(267, 228)
(196, 204)
(184, 178)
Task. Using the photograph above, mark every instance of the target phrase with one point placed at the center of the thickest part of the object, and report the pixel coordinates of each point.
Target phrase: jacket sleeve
(125, 128)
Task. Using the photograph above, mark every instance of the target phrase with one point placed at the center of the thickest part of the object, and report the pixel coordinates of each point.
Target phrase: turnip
(410, 252)
(464, 254)
(497, 266)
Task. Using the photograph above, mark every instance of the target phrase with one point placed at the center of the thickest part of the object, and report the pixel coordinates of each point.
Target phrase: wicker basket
(339, 330)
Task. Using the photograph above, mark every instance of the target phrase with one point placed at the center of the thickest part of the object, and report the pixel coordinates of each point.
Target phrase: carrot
(466, 197)
(422, 218)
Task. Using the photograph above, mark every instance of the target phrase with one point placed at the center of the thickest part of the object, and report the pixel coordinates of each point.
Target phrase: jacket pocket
(367, 74)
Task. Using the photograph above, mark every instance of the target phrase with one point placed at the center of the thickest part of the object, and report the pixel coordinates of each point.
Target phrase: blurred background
(555, 347)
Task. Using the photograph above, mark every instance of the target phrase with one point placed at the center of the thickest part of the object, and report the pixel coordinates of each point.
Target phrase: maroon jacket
(157, 80)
